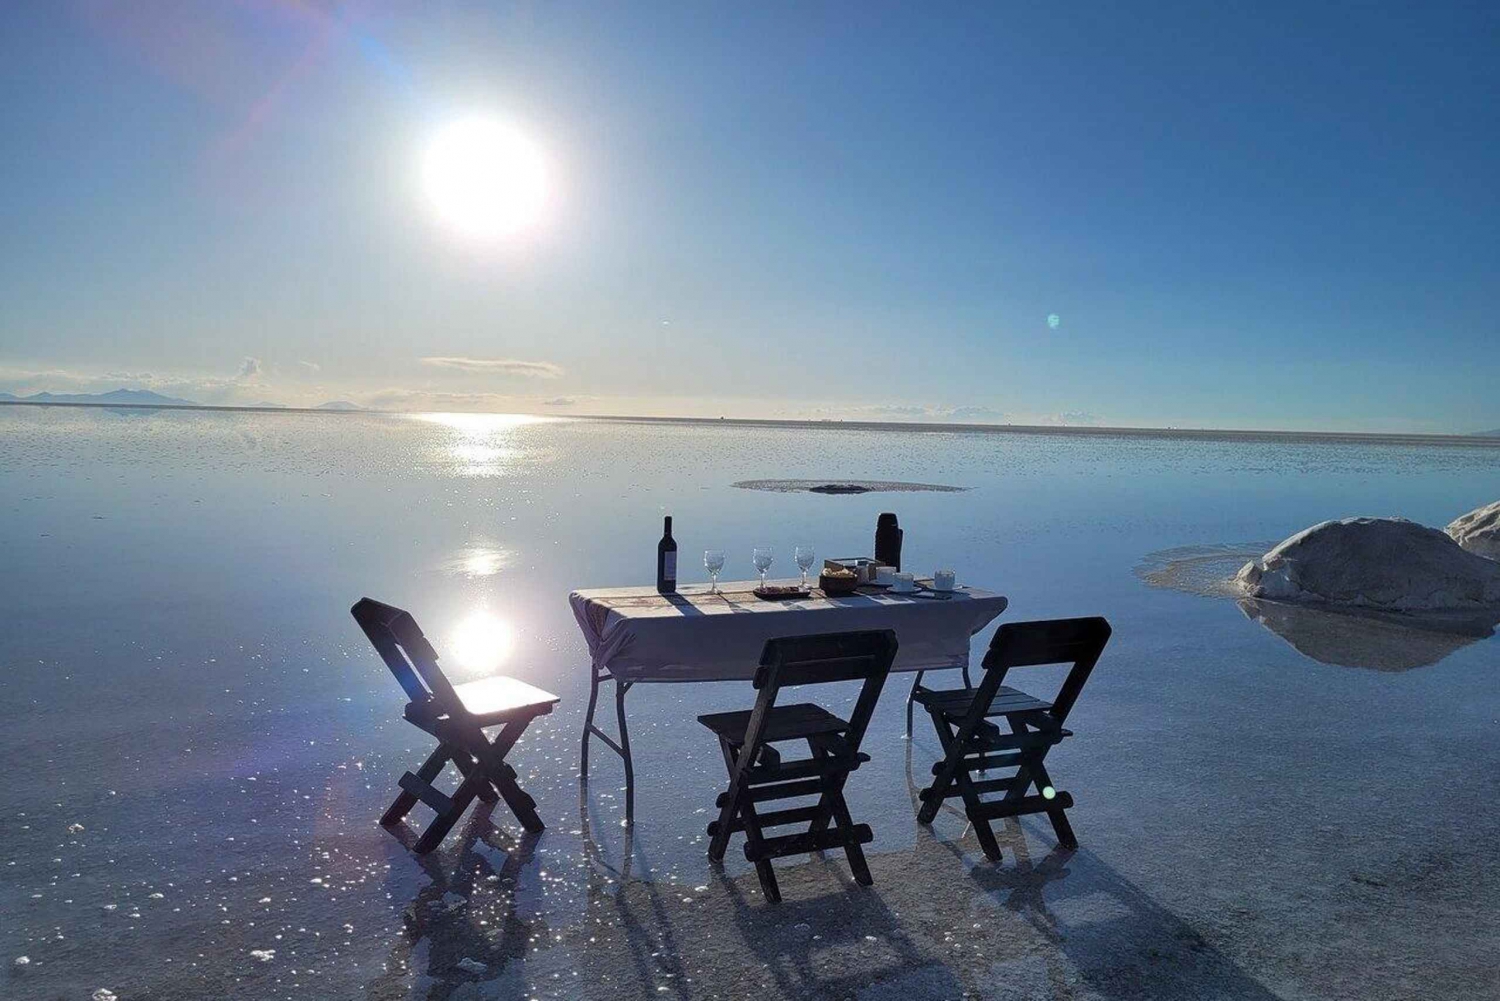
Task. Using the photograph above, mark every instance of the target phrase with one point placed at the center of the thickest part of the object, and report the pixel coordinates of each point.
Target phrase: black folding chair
(757, 773)
(971, 743)
(457, 716)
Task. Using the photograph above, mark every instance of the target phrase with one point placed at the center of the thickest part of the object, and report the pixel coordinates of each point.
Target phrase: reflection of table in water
(1381, 641)
(636, 635)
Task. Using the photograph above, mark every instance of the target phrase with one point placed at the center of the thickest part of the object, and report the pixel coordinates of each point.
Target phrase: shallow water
(199, 740)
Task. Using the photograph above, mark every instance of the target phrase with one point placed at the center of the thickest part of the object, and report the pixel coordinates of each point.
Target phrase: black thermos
(888, 541)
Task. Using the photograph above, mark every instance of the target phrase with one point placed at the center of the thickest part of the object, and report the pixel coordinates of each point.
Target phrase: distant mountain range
(1486, 434)
(146, 398)
(139, 397)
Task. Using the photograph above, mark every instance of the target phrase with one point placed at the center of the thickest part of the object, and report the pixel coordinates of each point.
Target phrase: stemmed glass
(713, 562)
(805, 559)
(762, 557)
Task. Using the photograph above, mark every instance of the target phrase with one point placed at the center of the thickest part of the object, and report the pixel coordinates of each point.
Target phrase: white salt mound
(1382, 563)
(1479, 531)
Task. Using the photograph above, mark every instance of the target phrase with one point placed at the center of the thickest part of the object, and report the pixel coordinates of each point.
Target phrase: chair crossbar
(759, 773)
(971, 744)
(775, 791)
(775, 818)
(1024, 805)
(426, 793)
(832, 765)
(810, 841)
(984, 763)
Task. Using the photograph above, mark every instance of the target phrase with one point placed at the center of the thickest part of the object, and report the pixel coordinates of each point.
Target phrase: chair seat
(500, 696)
(955, 703)
(793, 722)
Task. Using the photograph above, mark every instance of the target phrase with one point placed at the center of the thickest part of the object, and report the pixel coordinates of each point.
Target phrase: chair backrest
(812, 660)
(822, 658)
(399, 641)
(1049, 641)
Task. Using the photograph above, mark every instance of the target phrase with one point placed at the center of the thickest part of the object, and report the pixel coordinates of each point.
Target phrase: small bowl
(837, 585)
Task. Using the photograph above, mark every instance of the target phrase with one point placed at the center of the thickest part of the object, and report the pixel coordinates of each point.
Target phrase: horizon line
(1478, 439)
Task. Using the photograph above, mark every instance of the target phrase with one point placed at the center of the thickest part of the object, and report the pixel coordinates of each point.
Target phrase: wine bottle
(666, 559)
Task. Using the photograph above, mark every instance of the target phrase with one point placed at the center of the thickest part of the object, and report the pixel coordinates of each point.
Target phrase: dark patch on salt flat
(845, 486)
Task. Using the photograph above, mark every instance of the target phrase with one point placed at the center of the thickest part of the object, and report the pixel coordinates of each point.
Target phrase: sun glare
(481, 642)
(485, 179)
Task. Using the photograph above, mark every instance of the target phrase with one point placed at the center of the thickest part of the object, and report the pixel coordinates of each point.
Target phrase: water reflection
(1376, 640)
(478, 561)
(481, 444)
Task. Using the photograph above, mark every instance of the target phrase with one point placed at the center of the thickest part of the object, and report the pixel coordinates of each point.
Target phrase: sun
(485, 179)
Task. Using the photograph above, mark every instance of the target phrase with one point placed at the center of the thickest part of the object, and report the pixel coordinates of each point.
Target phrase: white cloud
(559, 401)
(310, 365)
(249, 368)
(498, 366)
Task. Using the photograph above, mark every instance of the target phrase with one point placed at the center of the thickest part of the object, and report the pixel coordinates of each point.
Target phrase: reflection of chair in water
(1364, 638)
(453, 922)
(971, 743)
(757, 773)
(457, 717)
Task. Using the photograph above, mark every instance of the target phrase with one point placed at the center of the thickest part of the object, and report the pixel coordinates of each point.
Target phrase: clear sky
(1246, 215)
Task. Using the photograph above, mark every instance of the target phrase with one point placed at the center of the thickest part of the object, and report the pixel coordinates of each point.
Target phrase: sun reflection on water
(481, 444)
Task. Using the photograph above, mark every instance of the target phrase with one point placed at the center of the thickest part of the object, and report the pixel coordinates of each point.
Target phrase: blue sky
(1243, 215)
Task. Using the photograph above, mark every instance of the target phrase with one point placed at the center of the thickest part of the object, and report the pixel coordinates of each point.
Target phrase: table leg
(915, 686)
(621, 687)
(622, 748)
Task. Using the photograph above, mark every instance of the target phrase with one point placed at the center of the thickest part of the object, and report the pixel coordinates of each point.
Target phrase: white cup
(904, 582)
(885, 574)
(942, 580)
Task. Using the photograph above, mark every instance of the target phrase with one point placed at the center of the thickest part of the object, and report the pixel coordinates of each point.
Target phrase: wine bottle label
(669, 566)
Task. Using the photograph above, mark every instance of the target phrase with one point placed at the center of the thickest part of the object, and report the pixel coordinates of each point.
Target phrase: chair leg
(519, 801)
(443, 822)
(719, 841)
(953, 772)
(982, 829)
(933, 795)
(852, 850)
(465, 765)
(1057, 814)
(503, 776)
(404, 802)
(755, 848)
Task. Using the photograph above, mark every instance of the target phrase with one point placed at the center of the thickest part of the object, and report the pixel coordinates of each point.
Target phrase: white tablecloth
(639, 635)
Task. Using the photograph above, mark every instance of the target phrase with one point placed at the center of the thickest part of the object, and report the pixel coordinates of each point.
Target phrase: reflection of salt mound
(1384, 641)
(1479, 531)
(1389, 564)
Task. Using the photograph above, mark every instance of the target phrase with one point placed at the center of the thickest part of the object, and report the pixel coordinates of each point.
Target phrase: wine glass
(805, 558)
(713, 562)
(762, 557)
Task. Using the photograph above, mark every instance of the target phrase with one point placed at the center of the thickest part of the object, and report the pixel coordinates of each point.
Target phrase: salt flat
(199, 740)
